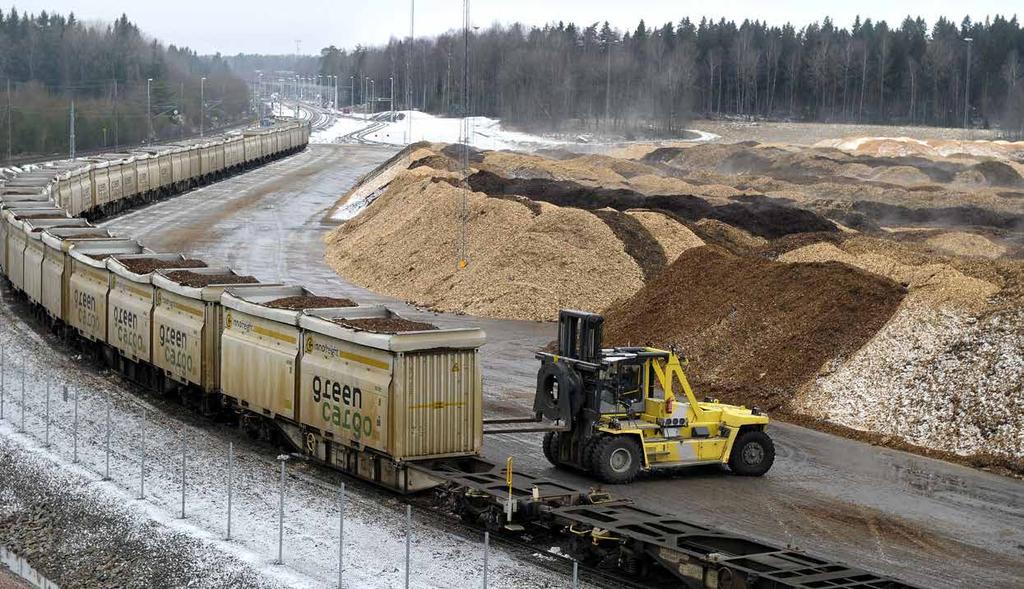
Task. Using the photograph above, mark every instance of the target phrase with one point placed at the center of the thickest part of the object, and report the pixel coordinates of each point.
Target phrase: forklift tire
(550, 445)
(617, 459)
(753, 454)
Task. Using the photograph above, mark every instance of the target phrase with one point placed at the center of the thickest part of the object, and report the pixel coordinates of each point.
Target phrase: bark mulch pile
(382, 325)
(754, 329)
(301, 302)
(147, 265)
(194, 280)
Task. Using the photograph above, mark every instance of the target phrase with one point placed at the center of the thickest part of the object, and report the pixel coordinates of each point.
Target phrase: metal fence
(61, 432)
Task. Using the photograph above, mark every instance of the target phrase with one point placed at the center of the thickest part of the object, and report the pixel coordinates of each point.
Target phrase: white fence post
(3, 378)
(341, 536)
(75, 430)
(142, 461)
(182, 475)
(231, 465)
(408, 542)
(46, 442)
(21, 428)
(487, 544)
(106, 471)
(280, 515)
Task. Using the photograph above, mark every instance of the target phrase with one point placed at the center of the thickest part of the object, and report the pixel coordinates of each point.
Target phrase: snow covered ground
(395, 129)
(374, 520)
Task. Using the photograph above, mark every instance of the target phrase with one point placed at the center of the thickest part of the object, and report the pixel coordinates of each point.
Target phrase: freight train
(358, 388)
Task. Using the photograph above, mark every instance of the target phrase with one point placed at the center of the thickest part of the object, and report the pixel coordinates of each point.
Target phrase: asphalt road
(922, 520)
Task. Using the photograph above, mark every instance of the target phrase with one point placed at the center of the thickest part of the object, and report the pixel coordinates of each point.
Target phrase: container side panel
(53, 282)
(34, 271)
(441, 404)
(178, 324)
(88, 301)
(130, 318)
(344, 391)
(258, 362)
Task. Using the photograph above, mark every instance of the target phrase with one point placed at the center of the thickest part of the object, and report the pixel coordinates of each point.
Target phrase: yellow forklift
(621, 411)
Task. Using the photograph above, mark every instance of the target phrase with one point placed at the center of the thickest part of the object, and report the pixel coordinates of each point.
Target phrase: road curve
(922, 520)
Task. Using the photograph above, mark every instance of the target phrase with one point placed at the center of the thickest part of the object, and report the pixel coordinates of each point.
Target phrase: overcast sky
(273, 26)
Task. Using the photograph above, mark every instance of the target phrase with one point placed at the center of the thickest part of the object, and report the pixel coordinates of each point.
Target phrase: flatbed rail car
(614, 534)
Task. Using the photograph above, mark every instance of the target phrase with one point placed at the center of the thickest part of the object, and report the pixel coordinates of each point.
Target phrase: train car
(74, 190)
(123, 179)
(163, 181)
(24, 197)
(10, 227)
(377, 391)
(211, 158)
(263, 337)
(130, 307)
(147, 172)
(56, 268)
(188, 321)
(89, 285)
(253, 145)
(99, 178)
(32, 256)
(234, 152)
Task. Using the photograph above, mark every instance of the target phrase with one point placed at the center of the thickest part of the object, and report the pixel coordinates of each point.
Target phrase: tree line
(656, 78)
(48, 61)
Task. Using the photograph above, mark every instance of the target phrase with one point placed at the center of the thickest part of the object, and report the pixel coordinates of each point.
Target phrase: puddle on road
(20, 567)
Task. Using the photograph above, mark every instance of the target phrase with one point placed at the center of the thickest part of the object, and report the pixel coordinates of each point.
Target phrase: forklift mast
(580, 335)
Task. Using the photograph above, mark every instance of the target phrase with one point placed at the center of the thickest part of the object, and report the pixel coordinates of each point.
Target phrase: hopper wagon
(89, 286)
(56, 267)
(188, 321)
(31, 258)
(130, 303)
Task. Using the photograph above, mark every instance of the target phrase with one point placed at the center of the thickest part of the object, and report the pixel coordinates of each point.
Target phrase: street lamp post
(967, 86)
(149, 105)
(352, 89)
(202, 105)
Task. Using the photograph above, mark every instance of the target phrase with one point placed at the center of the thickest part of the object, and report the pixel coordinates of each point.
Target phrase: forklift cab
(623, 386)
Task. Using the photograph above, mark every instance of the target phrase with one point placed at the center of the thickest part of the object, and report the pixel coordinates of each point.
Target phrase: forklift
(618, 412)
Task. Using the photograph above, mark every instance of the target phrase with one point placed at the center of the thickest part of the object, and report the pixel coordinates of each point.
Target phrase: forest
(49, 61)
(654, 79)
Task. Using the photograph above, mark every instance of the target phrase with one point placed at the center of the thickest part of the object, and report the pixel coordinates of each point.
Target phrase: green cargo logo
(336, 404)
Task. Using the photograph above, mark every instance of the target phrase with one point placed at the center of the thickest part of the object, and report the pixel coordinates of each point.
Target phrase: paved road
(925, 521)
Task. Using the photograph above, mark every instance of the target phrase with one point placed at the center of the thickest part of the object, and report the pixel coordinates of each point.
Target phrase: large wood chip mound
(524, 262)
(754, 330)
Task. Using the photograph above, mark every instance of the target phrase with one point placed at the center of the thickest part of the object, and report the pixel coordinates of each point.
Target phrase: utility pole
(149, 105)
(71, 127)
(181, 112)
(202, 105)
(392, 106)
(408, 64)
(967, 86)
(608, 86)
(9, 119)
(117, 135)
